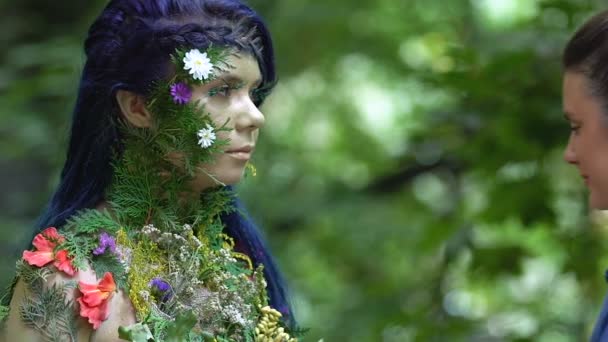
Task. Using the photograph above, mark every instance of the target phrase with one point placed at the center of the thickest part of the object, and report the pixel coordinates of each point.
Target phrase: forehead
(578, 98)
(244, 67)
(575, 84)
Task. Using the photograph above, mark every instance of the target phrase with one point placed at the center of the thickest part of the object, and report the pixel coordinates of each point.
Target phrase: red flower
(95, 298)
(64, 263)
(45, 244)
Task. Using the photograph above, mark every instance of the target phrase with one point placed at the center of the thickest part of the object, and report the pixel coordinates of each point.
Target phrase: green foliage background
(410, 178)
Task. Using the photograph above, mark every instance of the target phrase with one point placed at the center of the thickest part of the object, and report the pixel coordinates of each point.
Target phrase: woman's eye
(223, 90)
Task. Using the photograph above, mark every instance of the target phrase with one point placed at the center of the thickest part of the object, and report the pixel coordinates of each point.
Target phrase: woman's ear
(133, 108)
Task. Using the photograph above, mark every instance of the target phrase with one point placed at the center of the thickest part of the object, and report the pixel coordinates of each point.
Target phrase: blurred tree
(409, 177)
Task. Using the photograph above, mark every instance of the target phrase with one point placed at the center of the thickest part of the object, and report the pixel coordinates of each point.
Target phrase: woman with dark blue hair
(143, 239)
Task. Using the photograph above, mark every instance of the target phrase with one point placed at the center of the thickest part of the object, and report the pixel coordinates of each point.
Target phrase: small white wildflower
(149, 229)
(179, 238)
(206, 136)
(233, 314)
(124, 255)
(145, 295)
(198, 64)
(225, 254)
(214, 302)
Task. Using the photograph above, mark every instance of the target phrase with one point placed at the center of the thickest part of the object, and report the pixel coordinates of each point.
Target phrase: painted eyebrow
(230, 78)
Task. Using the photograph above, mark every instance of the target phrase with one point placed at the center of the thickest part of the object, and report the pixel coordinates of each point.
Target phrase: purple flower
(105, 241)
(181, 93)
(161, 287)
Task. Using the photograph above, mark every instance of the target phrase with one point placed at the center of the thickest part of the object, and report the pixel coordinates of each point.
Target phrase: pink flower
(95, 298)
(45, 244)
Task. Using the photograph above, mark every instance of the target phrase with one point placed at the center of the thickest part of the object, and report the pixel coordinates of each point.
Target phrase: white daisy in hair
(206, 136)
(198, 64)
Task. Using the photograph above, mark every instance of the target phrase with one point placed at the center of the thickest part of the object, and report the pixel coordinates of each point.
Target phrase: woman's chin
(206, 180)
(231, 179)
(598, 202)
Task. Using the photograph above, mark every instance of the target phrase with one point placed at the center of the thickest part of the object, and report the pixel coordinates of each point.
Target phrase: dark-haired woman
(143, 239)
(585, 102)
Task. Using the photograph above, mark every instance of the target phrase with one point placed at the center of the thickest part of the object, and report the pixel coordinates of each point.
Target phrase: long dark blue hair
(128, 47)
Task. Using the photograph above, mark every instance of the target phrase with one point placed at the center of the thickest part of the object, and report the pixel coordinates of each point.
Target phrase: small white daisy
(198, 63)
(206, 136)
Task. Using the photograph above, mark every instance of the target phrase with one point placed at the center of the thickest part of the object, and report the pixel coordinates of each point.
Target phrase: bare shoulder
(42, 309)
(53, 309)
(122, 313)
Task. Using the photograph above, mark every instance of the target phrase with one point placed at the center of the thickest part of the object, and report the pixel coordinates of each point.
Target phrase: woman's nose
(250, 116)
(569, 153)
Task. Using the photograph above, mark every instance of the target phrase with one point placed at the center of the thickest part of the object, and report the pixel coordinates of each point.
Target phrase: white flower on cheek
(198, 64)
(206, 136)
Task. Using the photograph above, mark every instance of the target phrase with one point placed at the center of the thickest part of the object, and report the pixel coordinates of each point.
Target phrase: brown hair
(587, 53)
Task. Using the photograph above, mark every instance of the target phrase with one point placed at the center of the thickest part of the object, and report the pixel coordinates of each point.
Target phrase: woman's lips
(241, 153)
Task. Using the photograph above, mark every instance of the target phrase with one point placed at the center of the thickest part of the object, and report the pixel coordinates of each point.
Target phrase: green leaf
(92, 221)
(180, 329)
(4, 310)
(109, 263)
(135, 333)
(51, 314)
